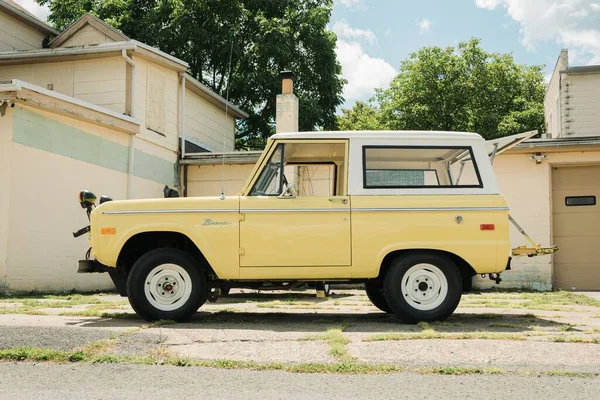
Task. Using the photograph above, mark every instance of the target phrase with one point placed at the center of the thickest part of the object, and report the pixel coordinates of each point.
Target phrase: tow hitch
(535, 249)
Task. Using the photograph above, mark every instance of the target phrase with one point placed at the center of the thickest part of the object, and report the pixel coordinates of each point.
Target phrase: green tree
(263, 38)
(457, 89)
(361, 117)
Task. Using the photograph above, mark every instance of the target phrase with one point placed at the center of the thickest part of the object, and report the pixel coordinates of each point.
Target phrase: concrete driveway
(490, 333)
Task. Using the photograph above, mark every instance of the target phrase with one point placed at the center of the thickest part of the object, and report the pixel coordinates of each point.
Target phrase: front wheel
(375, 294)
(166, 283)
(422, 287)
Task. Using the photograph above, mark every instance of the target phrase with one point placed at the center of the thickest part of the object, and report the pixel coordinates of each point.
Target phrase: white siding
(16, 35)
(86, 35)
(207, 123)
(100, 81)
(552, 108)
(168, 138)
(582, 115)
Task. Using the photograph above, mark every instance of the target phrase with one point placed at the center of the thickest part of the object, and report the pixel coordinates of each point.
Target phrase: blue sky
(374, 36)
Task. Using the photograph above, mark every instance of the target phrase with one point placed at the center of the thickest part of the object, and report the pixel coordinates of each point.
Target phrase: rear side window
(419, 167)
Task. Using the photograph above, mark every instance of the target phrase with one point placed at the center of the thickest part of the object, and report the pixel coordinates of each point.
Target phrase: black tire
(375, 294)
(193, 290)
(467, 283)
(416, 292)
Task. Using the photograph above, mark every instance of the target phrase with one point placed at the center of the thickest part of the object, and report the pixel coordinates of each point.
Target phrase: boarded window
(155, 106)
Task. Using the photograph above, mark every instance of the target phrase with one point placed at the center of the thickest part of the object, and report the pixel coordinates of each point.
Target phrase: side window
(419, 167)
(270, 181)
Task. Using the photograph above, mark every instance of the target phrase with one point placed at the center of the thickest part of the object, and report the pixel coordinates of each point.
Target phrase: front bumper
(90, 266)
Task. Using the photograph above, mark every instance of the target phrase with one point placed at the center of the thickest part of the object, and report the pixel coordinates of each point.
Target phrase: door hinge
(242, 217)
(242, 251)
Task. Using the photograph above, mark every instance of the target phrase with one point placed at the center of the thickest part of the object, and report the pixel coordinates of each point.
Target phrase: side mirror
(104, 199)
(289, 193)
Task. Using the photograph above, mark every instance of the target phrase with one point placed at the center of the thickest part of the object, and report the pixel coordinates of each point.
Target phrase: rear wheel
(166, 284)
(375, 294)
(422, 287)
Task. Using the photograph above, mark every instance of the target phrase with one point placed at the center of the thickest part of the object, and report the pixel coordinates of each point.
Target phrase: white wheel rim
(424, 286)
(168, 287)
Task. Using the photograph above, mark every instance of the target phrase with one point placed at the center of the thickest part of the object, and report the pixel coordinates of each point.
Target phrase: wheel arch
(142, 242)
(465, 269)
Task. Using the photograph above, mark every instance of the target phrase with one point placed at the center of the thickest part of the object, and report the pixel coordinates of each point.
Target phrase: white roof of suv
(427, 135)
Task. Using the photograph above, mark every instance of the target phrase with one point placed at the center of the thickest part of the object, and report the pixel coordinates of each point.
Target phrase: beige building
(87, 108)
(552, 185)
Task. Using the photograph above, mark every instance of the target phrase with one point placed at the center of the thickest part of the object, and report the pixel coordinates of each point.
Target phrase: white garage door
(576, 227)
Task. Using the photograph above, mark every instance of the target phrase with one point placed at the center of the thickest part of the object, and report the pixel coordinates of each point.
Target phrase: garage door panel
(576, 177)
(559, 201)
(576, 229)
(577, 276)
(578, 224)
(577, 249)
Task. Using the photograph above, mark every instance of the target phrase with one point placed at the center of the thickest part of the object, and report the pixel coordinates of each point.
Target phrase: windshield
(270, 181)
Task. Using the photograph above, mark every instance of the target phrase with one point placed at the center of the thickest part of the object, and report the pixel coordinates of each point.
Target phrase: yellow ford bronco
(412, 215)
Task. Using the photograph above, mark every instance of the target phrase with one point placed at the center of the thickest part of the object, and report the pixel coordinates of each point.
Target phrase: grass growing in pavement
(549, 301)
(46, 355)
(574, 339)
(431, 334)
(505, 325)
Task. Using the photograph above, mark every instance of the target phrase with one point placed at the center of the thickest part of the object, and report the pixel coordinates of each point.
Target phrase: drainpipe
(132, 111)
(182, 116)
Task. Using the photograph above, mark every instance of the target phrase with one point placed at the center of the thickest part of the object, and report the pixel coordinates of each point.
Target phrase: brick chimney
(287, 105)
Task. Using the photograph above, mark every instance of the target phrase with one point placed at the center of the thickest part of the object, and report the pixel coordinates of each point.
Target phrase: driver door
(283, 236)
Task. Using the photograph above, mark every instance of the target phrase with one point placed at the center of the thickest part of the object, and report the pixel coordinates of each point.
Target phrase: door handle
(341, 200)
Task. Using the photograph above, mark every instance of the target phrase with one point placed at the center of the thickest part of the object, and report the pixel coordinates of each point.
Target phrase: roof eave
(35, 96)
(92, 20)
(29, 19)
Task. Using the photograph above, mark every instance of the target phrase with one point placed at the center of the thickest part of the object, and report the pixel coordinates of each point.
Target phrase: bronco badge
(209, 221)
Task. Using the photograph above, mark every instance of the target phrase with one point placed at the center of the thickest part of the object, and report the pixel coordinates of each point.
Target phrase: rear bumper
(90, 266)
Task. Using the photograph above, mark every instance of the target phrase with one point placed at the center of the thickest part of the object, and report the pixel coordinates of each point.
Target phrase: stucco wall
(527, 188)
(51, 158)
(5, 141)
(16, 35)
(207, 123)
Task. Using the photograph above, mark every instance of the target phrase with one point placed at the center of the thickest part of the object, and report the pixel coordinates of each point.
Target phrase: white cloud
(571, 23)
(424, 25)
(489, 4)
(352, 3)
(344, 30)
(34, 8)
(363, 72)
